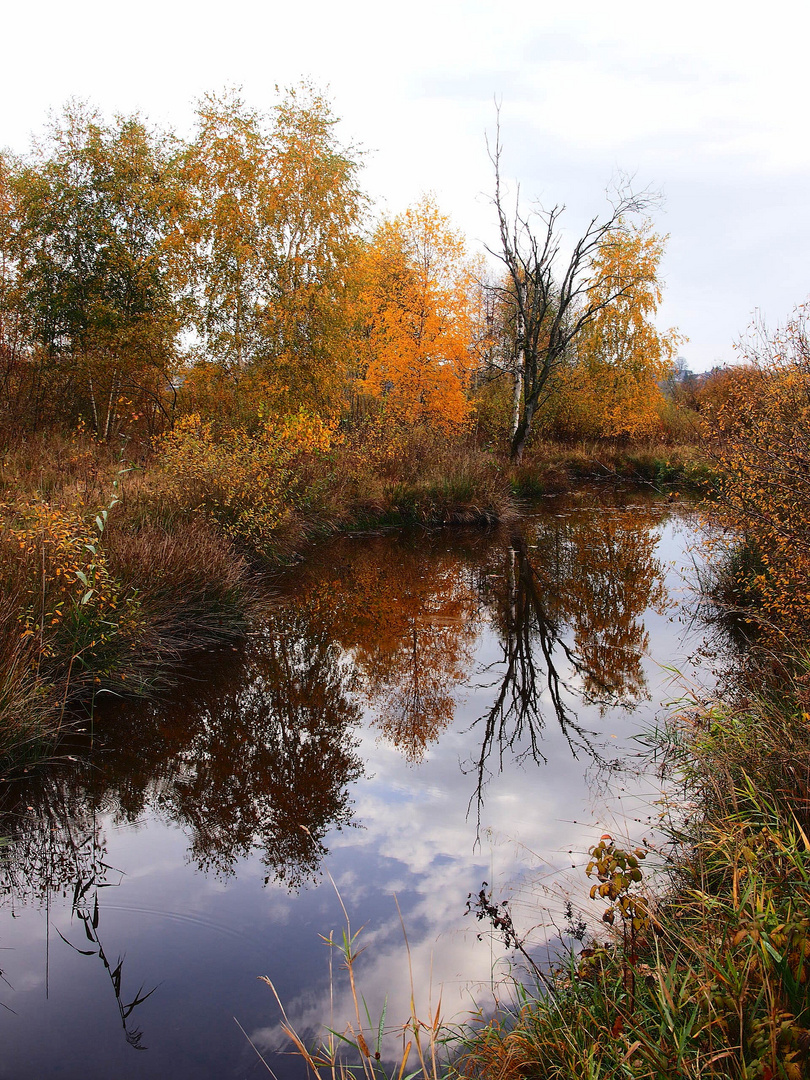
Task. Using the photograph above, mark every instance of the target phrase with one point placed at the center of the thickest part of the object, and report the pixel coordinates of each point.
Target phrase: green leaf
(776, 956)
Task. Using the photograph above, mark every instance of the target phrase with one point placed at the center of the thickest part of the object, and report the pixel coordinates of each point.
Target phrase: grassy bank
(555, 466)
(106, 582)
(705, 973)
(703, 968)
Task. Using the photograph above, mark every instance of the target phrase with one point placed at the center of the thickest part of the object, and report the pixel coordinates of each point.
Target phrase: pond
(417, 713)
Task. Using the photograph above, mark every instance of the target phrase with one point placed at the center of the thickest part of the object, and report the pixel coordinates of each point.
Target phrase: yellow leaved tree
(611, 386)
(272, 230)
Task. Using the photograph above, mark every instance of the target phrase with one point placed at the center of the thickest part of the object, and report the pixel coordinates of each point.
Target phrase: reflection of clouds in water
(446, 962)
(426, 843)
(383, 976)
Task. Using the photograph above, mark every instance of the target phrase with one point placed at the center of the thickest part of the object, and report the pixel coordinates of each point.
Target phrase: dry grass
(359, 1050)
(555, 466)
(30, 709)
(98, 594)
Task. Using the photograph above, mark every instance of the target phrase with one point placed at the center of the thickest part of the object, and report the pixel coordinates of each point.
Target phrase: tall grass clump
(29, 707)
(368, 1048)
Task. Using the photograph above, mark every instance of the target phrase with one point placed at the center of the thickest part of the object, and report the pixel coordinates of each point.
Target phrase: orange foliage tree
(759, 428)
(417, 301)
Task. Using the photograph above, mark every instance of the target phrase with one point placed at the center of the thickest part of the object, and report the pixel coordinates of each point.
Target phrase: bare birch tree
(547, 310)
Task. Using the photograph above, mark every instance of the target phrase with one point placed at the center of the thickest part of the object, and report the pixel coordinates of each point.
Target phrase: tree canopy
(237, 276)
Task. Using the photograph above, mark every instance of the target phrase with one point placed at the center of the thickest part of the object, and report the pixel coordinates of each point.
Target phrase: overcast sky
(705, 101)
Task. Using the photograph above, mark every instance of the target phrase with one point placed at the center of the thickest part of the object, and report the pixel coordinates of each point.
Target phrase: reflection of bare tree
(567, 602)
(530, 640)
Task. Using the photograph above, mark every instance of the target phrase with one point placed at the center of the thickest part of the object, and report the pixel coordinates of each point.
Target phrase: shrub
(253, 484)
(72, 606)
(760, 434)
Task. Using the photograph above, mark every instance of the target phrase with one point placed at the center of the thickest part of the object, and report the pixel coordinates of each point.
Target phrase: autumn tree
(757, 425)
(14, 336)
(226, 175)
(418, 304)
(612, 379)
(549, 301)
(313, 234)
(273, 225)
(97, 206)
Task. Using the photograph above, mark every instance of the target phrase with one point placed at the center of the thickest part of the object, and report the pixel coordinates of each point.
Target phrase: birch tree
(548, 299)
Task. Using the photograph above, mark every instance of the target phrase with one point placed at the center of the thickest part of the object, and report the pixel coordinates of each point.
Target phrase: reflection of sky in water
(201, 938)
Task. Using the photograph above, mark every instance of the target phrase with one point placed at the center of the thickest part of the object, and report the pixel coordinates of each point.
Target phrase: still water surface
(417, 713)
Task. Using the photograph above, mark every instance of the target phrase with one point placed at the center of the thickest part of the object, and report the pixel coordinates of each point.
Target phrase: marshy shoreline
(114, 570)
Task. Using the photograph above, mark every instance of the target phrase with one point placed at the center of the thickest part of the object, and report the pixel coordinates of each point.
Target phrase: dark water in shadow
(418, 713)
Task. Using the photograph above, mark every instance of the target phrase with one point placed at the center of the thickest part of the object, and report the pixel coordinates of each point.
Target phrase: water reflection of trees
(271, 758)
(264, 742)
(56, 845)
(405, 611)
(606, 576)
(259, 751)
(259, 755)
(530, 638)
(566, 597)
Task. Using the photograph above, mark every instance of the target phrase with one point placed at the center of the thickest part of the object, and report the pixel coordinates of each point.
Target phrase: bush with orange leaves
(760, 438)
